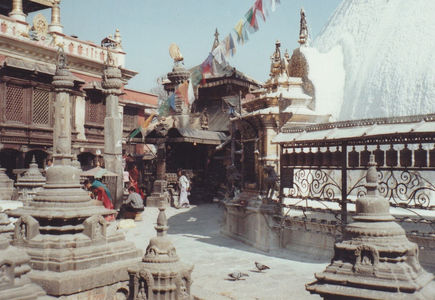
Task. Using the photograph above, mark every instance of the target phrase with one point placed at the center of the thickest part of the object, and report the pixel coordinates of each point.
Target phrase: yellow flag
(239, 30)
(147, 122)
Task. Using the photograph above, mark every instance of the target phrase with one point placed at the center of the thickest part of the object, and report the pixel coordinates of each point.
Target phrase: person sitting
(133, 204)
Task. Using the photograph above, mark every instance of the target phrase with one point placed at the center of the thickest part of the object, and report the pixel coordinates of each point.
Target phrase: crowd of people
(135, 201)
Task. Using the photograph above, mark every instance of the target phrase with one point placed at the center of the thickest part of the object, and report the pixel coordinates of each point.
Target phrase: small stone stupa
(6, 185)
(161, 275)
(74, 253)
(14, 266)
(30, 183)
(375, 260)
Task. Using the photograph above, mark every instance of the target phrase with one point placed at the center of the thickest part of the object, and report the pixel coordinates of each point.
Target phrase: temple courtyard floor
(195, 232)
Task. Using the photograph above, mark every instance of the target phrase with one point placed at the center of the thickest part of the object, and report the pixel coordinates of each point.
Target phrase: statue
(175, 53)
(61, 59)
(233, 179)
(271, 181)
(203, 119)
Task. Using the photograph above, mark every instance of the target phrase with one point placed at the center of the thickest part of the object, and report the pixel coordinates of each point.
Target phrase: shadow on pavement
(203, 222)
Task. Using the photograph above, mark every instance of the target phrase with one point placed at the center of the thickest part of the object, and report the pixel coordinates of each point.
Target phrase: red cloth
(102, 196)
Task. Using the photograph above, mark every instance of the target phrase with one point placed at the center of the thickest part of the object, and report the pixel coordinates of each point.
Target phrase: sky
(148, 27)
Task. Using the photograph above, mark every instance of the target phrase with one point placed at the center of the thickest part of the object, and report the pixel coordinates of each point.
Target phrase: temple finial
(303, 29)
(216, 40)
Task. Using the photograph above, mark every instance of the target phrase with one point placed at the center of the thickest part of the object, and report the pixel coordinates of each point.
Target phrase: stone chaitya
(30, 183)
(73, 251)
(375, 260)
(14, 282)
(6, 185)
(161, 275)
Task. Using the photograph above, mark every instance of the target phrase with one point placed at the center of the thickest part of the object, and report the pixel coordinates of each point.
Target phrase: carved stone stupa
(74, 253)
(14, 266)
(6, 186)
(30, 183)
(375, 260)
(161, 275)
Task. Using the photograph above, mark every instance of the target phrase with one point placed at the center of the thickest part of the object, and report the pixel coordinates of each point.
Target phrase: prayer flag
(258, 6)
(207, 65)
(190, 93)
(251, 20)
(196, 76)
(239, 30)
(231, 45)
(164, 107)
(273, 4)
(146, 123)
(171, 101)
(219, 53)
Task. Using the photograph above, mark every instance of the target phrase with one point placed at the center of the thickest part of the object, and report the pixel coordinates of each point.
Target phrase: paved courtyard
(195, 233)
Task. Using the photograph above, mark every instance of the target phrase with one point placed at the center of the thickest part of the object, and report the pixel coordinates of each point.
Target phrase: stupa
(6, 185)
(30, 183)
(74, 253)
(161, 275)
(14, 282)
(375, 260)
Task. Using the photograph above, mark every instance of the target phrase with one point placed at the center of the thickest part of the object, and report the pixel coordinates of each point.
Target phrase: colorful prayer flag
(273, 4)
(207, 65)
(252, 20)
(196, 76)
(239, 30)
(258, 6)
(171, 101)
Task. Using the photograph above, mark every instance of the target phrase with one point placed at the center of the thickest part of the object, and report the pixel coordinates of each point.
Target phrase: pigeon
(261, 267)
(237, 275)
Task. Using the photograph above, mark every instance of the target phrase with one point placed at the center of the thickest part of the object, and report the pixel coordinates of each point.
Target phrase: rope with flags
(248, 24)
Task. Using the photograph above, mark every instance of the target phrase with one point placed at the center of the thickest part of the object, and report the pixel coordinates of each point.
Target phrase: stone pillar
(63, 84)
(159, 195)
(160, 275)
(112, 84)
(375, 260)
(55, 25)
(17, 11)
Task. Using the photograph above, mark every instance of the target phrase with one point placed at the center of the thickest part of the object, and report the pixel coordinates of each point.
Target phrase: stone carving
(40, 25)
(271, 181)
(26, 228)
(95, 227)
(375, 260)
(303, 30)
(161, 275)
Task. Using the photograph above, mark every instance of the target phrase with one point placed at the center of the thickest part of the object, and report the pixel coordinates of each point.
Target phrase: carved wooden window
(95, 112)
(14, 103)
(129, 117)
(41, 107)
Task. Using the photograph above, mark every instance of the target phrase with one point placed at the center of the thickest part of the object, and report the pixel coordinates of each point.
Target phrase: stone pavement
(195, 233)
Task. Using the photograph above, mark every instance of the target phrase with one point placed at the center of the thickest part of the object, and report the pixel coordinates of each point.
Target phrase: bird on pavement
(237, 275)
(261, 267)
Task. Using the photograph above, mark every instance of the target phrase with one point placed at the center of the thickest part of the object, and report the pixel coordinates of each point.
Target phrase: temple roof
(28, 6)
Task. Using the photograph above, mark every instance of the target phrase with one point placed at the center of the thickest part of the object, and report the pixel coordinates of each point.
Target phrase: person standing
(184, 186)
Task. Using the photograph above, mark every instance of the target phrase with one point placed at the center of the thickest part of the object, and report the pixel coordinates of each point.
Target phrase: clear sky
(148, 27)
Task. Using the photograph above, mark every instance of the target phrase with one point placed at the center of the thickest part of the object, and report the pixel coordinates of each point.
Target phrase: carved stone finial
(112, 79)
(216, 40)
(303, 30)
(276, 67)
(63, 78)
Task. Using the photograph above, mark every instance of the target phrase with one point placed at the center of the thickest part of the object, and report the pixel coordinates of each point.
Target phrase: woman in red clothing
(102, 196)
